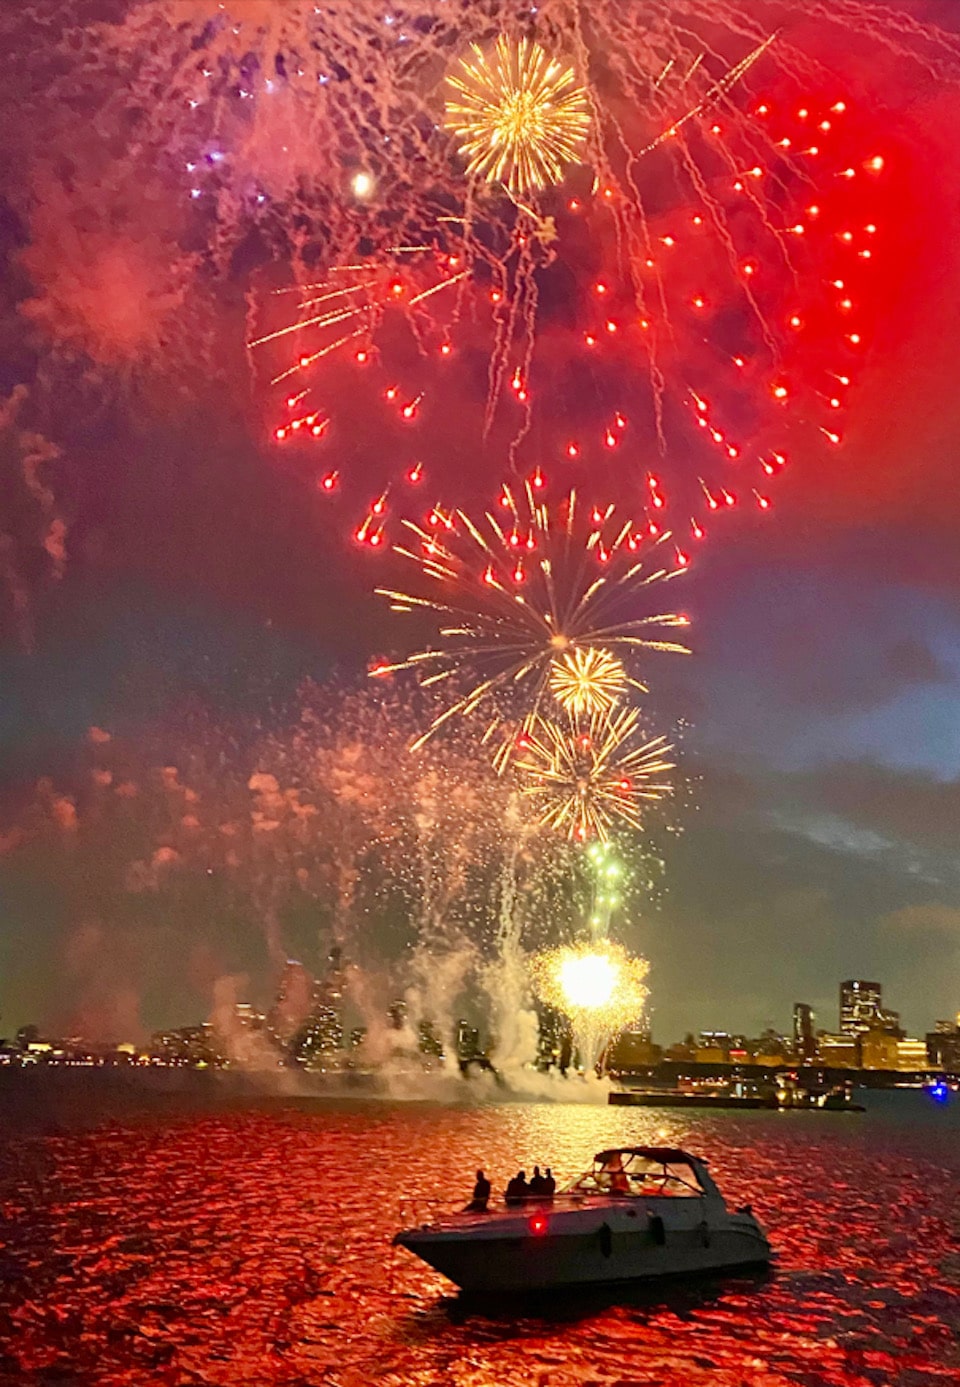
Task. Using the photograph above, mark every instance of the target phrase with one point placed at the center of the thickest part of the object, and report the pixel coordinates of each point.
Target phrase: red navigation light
(538, 1224)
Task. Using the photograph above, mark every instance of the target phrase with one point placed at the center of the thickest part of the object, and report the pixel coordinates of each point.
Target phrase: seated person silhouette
(481, 1195)
(537, 1185)
(549, 1184)
(517, 1189)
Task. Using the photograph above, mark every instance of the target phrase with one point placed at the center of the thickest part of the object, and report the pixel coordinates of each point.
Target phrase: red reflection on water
(252, 1247)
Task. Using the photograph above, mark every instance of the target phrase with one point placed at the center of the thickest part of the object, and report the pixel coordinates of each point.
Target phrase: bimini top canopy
(645, 1172)
(667, 1155)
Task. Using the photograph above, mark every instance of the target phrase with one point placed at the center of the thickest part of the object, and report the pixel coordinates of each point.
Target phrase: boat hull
(605, 1254)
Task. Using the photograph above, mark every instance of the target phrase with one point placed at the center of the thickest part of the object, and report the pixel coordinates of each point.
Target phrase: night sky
(822, 702)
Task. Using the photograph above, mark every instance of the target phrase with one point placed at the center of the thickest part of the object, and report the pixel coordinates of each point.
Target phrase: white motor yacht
(640, 1211)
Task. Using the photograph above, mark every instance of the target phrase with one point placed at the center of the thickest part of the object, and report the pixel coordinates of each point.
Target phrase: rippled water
(251, 1245)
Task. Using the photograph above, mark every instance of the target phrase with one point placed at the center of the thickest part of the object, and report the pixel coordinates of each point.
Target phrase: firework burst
(585, 776)
(587, 682)
(520, 115)
(519, 593)
(599, 986)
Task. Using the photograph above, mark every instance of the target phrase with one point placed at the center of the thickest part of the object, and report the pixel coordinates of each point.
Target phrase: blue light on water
(939, 1092)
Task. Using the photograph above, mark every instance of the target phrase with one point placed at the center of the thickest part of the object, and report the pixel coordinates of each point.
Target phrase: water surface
(249, 1243)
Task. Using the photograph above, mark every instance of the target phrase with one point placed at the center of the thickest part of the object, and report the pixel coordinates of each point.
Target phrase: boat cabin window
(631, 1175)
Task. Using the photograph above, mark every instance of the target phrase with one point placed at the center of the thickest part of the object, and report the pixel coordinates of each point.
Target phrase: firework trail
(33, 531)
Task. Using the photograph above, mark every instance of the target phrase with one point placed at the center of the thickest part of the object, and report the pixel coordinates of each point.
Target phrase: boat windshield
(630, 1174)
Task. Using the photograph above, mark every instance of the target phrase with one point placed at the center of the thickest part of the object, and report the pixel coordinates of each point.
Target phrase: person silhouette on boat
(618, 1181)
(517, 1188)
(481, 1195)
(549, 1184)
(537, 1187)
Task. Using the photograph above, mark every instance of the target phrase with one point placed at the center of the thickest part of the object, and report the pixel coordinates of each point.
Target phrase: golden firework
(519, 592)
(520, 115)
(585, 775)
(599, 987)
(588, 681)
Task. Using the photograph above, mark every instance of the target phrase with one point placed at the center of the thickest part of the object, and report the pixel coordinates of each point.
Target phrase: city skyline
(312, 1016)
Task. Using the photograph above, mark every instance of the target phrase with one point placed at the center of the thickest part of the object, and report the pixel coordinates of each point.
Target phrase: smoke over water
(339, 912)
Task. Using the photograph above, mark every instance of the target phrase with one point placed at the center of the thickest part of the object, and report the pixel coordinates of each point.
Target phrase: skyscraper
(860, 1006)
(292, 1005)
(321, 1031)
(862, 1010)
(804, 1036)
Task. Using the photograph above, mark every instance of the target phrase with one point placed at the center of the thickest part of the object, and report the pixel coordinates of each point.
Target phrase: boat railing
(424, 1208)
(421, 1210)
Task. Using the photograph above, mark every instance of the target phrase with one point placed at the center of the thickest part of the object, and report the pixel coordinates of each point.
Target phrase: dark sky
(822, 701)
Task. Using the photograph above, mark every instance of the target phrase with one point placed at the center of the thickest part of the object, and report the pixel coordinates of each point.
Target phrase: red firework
(673, 334)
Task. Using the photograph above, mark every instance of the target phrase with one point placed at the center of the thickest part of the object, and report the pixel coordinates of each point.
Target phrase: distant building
(860, 1003)
(468, 1042)
(838, 1051)
(320, 1033)
(684, 1049)
(554, 1034)
(428, 1040)
(769, 1049)
(713, 1047)
(878, 1050)
(804, 1034)
(861, 1009)
(911, 1055)
(188, 1045)
(943, 1046)
(711, 1054)
(27, 1036)
(633, 1050)
(293, 1003)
